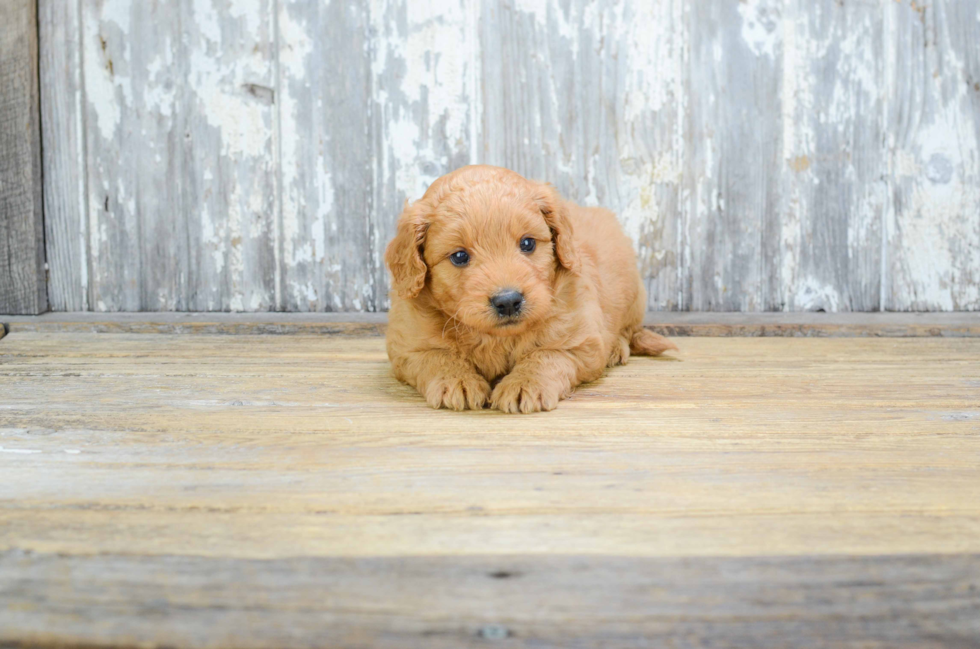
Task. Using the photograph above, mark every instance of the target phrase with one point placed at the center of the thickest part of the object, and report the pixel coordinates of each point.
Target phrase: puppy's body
(579, 300)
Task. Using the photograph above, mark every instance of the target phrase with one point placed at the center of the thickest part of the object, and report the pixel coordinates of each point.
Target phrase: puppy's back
(608, 260)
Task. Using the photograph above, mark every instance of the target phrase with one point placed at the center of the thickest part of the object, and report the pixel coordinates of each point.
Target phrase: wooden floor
(279, 491)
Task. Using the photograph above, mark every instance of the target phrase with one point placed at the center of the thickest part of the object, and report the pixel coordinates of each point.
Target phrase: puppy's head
(486, 247)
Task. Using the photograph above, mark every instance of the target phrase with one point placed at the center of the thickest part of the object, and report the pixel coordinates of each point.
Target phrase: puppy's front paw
(525, 394)
(458, 392)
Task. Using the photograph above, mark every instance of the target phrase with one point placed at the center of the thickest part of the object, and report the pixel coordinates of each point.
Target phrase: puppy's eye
(460, 258)
(528, 244)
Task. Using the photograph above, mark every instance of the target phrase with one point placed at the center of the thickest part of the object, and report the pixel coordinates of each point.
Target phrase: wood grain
(66, 220)
(509, 601)
(229, 163)
(23, 288)
(733, 219)
(327, 156)
(933, 231)
(827, 252)
(177, 123)
(287, 491)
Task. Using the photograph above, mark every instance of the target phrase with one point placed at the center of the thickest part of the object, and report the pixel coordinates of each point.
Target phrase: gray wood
(733, 164)
(763, 155)
(133, 161)
(679, 323)
(511, 601)
(827, 255)
(65, 199)
(22, 282)
(331, 244)
(228, 152)
(933, 226)
(178, 123)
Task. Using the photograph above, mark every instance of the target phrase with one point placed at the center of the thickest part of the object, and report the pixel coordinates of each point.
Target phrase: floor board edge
(901, 325)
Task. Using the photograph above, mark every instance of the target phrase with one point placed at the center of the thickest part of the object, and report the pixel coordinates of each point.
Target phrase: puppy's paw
(524, 394)
(620, 353)
(458, 392)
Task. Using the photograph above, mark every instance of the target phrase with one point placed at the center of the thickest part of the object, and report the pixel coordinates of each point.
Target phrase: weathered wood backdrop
(764, 155)
(22, 285)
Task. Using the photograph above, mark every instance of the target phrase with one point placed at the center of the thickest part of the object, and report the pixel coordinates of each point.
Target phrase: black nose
(507, 303)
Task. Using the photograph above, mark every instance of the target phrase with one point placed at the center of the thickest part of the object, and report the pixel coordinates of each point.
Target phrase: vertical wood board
(22, 283)
(65, 170)
(932, 70)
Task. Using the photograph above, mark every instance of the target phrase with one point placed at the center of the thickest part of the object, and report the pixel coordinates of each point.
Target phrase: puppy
(505, 293)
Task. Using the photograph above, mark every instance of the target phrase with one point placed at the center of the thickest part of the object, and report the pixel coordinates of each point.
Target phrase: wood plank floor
(279, 491)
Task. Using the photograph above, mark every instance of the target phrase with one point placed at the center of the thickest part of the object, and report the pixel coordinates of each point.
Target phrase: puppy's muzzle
(508, 303)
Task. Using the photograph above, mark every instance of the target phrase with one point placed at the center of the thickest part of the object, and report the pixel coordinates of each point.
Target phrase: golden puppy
(505, 292)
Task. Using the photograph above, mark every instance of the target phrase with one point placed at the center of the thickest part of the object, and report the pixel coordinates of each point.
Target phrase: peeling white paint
(654, 59)
(760, 26)
(219, 88)
(159, 96)
(295, 61)
(812, 295)
(551, 15)
(795, 98)
(654, 55)
(433, 51)
(227, 114)
(104, 90)
(473, 74)
(945, 211)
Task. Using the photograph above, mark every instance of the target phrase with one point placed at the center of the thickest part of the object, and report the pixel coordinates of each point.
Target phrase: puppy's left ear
(555, 214)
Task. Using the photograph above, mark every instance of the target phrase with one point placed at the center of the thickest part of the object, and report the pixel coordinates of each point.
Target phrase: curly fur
(583, 307)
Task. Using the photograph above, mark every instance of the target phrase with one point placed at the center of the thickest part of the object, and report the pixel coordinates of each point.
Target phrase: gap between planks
(898, 325)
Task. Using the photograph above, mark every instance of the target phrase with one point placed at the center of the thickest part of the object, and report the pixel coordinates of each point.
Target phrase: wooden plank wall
(22, 285)
(764, 155)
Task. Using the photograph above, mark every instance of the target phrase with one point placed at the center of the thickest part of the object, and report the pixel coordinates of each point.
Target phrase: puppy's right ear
(404, 254)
